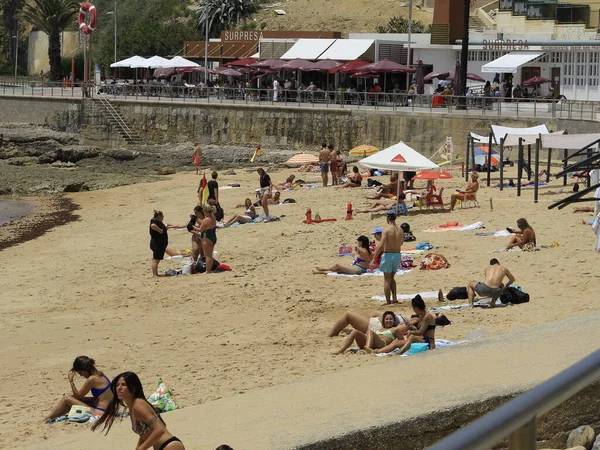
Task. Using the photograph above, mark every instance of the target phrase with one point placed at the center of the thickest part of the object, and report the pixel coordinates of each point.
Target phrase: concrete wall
(55, 112)
(37, 52)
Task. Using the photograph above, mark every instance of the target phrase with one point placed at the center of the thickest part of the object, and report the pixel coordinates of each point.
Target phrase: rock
(23, 161)
(596, 445)
(579, 447)
(48, 158)
(230, 172)
(76, 187)
(582, 436)
(121, 155)
(63, 165)
(76, 153)
(166, 171)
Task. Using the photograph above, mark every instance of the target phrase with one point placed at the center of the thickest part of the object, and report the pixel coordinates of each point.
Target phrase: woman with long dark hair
(358, 266)
(95, 383)
(145, 421)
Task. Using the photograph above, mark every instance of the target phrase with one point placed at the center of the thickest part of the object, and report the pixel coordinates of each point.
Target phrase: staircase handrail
(116, 116)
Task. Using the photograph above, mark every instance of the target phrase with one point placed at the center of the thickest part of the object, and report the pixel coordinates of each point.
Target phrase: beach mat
(376, 273)
(457, 227)
(430, 294)
(439, 343)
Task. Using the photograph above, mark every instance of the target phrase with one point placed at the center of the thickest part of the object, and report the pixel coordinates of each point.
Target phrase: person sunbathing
(379, 194)
(248, 216)
(360, 264)
(524, 236)
(423, 331)
(289, 183)
(354, 179)
(372, 339)
(379, 205)
(470, 189)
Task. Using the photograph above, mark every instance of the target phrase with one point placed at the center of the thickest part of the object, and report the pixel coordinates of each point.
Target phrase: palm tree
(224, 13)
(51, 17)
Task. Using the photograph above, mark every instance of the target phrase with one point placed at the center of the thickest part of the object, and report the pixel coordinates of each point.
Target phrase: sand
(86, 288)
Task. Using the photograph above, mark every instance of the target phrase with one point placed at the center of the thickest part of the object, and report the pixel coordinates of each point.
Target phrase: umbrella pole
(548, 166)
(489, 161)
(501, 164)
(519, 167)
(467, 157)
(537, 168)
(398, 193)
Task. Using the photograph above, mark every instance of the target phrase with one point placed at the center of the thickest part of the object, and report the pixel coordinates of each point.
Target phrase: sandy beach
(85, 288)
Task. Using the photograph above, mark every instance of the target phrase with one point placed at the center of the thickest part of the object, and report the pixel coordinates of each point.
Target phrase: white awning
(347, 49)
(501, 132)
(510, 62)
(570, 141)
(309, 49)
(527, 139)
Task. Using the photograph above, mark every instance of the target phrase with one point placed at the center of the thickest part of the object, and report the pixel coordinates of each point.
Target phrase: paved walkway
(288, 416)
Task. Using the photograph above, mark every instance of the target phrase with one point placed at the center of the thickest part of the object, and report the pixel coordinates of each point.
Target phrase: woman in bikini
(358, 266)
(354, 179)
(208, 235)
(128, 392)
(423, 331)
(95, 383)
(248, 216)
(266, 187)
(197, 157)
(370, 338)
(525, 235)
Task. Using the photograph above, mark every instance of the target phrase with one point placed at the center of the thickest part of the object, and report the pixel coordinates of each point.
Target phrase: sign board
(496, 44)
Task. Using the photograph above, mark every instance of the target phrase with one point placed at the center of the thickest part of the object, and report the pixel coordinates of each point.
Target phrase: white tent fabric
(528, 139)
(178, 61)
(510, 62)
(156, 62)
(129, 61)
(309, 49)
(569, 141)
(347, 49)
(399, 157)
(500, 132)
(480, 138)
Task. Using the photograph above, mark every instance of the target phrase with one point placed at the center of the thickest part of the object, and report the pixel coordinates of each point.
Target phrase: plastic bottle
(349, 211)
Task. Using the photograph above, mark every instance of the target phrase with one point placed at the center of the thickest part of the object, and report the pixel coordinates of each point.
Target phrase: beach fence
(517, 419)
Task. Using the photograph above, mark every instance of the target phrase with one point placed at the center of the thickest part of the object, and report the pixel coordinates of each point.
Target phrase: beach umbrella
(178, 61)
(268, 63)
(386, 66)
(456, 80)
(152, 63)
(302, 158)
(298, 64)
(326, 64)
(228, 72)
(350, 66)
(242, 62)
(128, 62)
(419, 79)
(399, 157)
(439, 75)
(536, 81)
(363, 150)
(470, 76)
(482, 153)
(364, 75)
(164, 72)
(189, 69)
(432, 175)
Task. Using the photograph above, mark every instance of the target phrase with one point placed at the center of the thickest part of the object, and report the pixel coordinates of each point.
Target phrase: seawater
(12, 210)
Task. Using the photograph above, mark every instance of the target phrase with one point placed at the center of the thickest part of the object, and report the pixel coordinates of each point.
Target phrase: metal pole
(524, 438)
(548, 166)
(489, 158)
(565, 156)
(536, 188)
(206, 54)
(501, 164)
(410, 6)
(16, 51)
(519, 167)
(467, 157)
(115, 31)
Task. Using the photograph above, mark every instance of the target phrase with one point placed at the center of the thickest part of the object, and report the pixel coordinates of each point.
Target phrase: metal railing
(517, 419)
(475, 105)
(116, 117)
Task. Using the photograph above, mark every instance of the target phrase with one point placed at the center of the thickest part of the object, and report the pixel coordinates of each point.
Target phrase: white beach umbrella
(399, 157)
(129, 61)
(179, 62)
(155, 62)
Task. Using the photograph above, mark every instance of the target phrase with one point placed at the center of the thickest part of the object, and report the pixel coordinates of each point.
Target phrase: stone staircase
(115, 120)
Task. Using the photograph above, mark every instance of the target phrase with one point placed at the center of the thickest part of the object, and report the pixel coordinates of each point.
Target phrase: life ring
(87, 7)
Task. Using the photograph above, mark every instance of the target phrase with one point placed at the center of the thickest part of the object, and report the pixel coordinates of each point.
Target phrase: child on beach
(197, 157)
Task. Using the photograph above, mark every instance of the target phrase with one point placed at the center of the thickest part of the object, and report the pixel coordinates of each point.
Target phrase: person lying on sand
(371, 339)
(492, 287)
(525, 235)
(421, 332)
(248, 216)
(289, 183)
(359, 265)
(95, 383)
(379, 194)
(379, 205)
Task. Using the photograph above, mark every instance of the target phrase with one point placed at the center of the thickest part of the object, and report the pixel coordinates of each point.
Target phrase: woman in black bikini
(127, 390)
(360, 264)
(266, 187)
(208, 235)
(354, 180)
(95, 383)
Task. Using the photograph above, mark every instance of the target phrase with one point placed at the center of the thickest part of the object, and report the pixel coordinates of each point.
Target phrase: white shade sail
(129, 61)
(510, 62)
(156, 62)
(570, 141)
(178, 62)
(501, 132)
(309, 49)
(347, 49)
(399, 157)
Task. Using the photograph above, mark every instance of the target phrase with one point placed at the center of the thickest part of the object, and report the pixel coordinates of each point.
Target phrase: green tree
(223, 14)
(9, 19)
(51, 17)
(400, 25)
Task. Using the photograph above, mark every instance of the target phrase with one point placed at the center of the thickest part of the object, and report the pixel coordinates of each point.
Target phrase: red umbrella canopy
(350, 66)
(326, 64)
(440, 75)
(536, 80)
(190, 69)
(226, 72)
(164, 72)
(242, 62)
(434, 175)
(266, 64)
(470, 76)
(386, 66)
(364, 75)
(298, 64)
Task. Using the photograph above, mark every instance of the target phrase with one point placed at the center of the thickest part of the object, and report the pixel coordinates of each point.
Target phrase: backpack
(514, 296)
(201, 265)
(457, 293)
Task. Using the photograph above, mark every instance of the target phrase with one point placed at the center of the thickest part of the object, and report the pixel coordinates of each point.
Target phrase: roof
(510, 62)
(309, 49)
(347, 49)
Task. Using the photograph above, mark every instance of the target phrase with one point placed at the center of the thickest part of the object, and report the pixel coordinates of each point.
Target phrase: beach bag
(457, 293)
(219, 214)
(514, 296)
(163, 399)
(201, 265)
(77, 410)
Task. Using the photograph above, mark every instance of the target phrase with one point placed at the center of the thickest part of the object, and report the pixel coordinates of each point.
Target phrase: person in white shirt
(276, 89)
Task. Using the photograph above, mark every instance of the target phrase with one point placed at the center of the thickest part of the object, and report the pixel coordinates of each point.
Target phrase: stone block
(582, 436)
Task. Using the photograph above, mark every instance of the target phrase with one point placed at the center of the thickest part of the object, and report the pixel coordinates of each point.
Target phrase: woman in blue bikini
(372, 339)
(145, 421)
(95, 383)
(358, 266)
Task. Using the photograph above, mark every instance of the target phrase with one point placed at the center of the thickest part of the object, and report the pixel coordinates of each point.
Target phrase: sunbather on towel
(95, 383)
(371, 338)
(421, 332)
(382, 205)
(248, 215)
(492, 287)
(525, 235)
(360, 321)
(360, 264)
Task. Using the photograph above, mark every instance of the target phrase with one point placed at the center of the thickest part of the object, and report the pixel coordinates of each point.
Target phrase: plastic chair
(469, 199)
(433, 200)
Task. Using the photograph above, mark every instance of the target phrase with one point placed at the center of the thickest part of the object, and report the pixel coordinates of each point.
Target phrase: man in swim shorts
(494, 275)
(324, 157)
(389, 247)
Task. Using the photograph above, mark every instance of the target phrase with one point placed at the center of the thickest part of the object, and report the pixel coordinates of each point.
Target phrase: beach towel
(455, 226)
(483, 302)
(501, 233)
(434, 261)
(429, 294)
(439, 343)
(413, 251)
(526, 248)
(376, 273)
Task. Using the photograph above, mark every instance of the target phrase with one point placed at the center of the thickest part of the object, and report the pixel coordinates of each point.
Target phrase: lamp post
(410, 6)
(16, 38)
(114, 13)
(206, 51)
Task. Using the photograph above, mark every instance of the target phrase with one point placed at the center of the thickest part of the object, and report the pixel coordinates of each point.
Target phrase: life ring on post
(87, 7)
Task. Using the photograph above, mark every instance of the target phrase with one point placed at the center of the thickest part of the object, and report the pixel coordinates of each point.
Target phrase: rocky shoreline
(36, 160)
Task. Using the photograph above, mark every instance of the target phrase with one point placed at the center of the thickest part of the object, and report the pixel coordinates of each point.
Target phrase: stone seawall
(293, 128)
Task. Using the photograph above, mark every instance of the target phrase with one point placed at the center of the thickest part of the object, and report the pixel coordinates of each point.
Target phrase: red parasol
(440, 75)
(386, 66)
(434, 175)
(326, 64)
(298, 64)
(350, 66)
(470, 76)
(242, 62)
(536, 81)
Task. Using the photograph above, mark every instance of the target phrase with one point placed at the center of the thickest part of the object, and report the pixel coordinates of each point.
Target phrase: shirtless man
(389, 247)
(471, 188)
(324, 157)
(494, 275)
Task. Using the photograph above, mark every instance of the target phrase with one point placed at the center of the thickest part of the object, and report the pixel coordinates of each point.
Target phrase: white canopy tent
(156, 62)
(399, 157)
(527, 139)
(129, 61)
(510, 62)
(501, 132)
(309, 49)
(178, 62)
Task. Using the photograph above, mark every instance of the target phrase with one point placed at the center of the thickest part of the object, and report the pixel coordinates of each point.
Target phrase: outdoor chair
(469, 201)
(432, 199)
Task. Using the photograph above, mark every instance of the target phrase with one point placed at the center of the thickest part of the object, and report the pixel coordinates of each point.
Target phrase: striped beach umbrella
(302, 158)
(364, 150)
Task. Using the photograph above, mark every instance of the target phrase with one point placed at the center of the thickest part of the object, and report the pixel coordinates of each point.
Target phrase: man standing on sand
(389, 247)
(494, 275)
(324, 157)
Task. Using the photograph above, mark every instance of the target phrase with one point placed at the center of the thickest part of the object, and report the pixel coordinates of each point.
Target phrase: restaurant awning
(510, 62)
(309, 49)
(347, 49)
